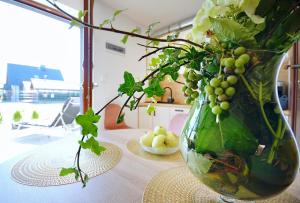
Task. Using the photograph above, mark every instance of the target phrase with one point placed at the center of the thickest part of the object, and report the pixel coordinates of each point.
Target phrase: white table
(124, 183)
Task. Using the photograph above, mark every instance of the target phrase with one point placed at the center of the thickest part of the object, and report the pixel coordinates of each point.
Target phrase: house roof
(45, 84)
(17, 73)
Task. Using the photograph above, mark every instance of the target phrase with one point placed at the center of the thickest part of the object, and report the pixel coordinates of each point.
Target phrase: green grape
(192, 76)
(225, 105)
(239, 51)
(232, 79)
(239, 63)
(230, 91)
(212, 98)
(184, 87)
(224, 45)
(188, 100)
(195, 95)
(209, 89)
(186, 73)
(228, 70)
(240, 70)
(223, 61)
(215, 82)
(222, 97)
(212, 104)
(194, 85)
(229, 62)
(245, 58)
(224, 84)
(219, 91)
(216, 110)
(198, 77)
(188, 91)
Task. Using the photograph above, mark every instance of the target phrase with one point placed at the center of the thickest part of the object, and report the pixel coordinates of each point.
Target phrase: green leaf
(17, 116)
(73, 23)
(68, 171)
(105, 22)
(213, 68)
(154, 89)
(136, 30)
(249, 6)
(93, 145)
(150, 28)
(116, 13)
(229, 30)
(87, 123)
(172, 71)
(154, 62)
(124, 40)
(82, 14)
(150, 109)
(198, 163)
(229, 134)
(121, 118)
(129, 86)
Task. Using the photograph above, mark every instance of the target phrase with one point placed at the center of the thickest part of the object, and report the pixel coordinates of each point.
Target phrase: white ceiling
(145, 12)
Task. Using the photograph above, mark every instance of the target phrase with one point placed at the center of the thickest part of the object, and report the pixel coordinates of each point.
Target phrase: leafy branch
(112, 29)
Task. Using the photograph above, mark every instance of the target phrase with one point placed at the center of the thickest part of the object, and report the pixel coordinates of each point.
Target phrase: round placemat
(43, 168)
(134, 147)
(178, 185)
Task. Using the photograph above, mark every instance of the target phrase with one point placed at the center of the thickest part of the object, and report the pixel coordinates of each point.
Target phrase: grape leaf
(229, 30)
(150, 109)
(232, 134)
(105, 22)
(121, 118)
(150, 28)
(129, 86)
(124, 40)
(154, 89)
(116, 13)
(68, 171)
(93, 145)
(87, 123)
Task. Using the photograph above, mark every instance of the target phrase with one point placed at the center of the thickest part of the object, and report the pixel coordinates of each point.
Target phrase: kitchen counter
(145, 104)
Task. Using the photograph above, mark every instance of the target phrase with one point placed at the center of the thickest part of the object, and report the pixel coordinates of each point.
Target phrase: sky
(33, 39)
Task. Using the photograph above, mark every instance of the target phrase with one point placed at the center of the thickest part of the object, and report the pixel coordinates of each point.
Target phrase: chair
(177, 123)
(111, 116)
(65, 117)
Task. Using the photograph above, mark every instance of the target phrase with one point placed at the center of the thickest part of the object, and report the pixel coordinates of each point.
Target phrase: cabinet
(162, 115)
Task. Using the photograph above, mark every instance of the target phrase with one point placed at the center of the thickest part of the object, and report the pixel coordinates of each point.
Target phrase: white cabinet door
(161, 117)
(178, 110)
(145, 121)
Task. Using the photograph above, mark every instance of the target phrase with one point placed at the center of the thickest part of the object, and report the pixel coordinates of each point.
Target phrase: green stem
(279, 136)
(261, 103)
(248, 86)
(221, 133)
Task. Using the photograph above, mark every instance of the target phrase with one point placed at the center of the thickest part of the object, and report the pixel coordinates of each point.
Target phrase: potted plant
(236, 140)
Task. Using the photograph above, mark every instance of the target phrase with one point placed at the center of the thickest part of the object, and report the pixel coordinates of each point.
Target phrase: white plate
(160, 151)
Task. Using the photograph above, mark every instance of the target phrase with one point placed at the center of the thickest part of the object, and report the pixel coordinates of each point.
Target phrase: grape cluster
(190, 88)
(221, 88)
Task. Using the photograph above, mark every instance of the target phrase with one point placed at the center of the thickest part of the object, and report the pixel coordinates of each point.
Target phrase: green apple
(171, 140)
(160, 130)
(159, 141)
(147, 139)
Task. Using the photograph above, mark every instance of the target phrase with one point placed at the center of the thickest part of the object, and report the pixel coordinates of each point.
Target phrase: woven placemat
(42, 168)
(134, 147)
(178, 185)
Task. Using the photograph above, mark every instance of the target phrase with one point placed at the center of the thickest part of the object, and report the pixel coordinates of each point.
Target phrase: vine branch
(112, 29)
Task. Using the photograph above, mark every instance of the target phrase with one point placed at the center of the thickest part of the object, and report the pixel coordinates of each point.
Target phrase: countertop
(145, 104)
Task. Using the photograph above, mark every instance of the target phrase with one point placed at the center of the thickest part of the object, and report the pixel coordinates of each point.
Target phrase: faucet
(170, 99)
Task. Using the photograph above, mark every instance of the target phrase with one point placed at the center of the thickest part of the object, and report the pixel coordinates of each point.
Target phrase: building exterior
(36, 85)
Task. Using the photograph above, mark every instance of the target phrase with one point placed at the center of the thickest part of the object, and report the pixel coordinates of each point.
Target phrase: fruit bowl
(160, 142)
(160, 151)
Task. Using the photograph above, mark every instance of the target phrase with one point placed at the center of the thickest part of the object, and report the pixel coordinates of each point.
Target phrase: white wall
(109, 66)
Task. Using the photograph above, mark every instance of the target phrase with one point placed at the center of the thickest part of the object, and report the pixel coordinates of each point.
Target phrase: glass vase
(248, 152)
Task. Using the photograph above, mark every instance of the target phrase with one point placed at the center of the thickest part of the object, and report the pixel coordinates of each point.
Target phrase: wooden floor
(124, 183)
